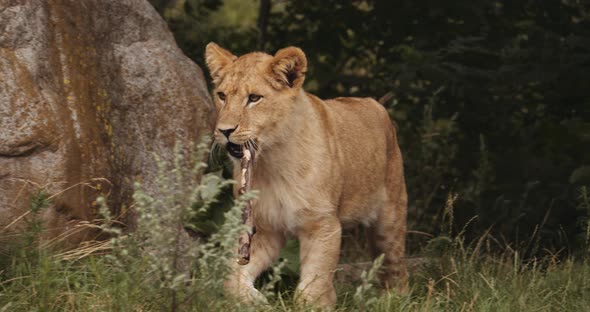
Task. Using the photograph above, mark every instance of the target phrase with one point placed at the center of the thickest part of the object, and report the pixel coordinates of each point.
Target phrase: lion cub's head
(255, 95)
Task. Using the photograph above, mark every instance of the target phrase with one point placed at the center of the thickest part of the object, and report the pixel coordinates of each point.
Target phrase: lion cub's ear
(217, 58)
(288, 67)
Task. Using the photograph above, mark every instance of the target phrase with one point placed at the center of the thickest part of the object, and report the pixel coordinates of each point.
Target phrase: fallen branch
(246, 237)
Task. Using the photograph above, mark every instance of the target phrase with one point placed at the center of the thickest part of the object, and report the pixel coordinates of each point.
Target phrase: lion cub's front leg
(319, 252)
(263, 252)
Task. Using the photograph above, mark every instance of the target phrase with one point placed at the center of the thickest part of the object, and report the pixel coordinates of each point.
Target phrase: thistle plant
(363, 295)
(179, 266)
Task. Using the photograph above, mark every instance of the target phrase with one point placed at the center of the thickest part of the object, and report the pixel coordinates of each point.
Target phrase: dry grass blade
(84, 250)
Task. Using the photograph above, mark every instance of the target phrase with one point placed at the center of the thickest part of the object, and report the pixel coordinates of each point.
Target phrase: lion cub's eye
(221, 96)
(252, 98)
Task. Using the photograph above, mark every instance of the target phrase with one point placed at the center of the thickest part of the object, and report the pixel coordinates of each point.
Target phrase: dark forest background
(491, 99)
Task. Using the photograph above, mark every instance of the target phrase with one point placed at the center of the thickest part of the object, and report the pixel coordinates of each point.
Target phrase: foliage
(140, 272)
(196, 22)
(363, 291)
(156, 267)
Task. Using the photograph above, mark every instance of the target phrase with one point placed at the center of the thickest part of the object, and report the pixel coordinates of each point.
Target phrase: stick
(385, 98)
(247, 219)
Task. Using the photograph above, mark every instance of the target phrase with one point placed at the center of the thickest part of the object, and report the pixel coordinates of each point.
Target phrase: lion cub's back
(362, 109)
(361, 118)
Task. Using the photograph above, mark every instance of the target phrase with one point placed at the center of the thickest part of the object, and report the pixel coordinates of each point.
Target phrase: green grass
(455, 282)
(153, 270)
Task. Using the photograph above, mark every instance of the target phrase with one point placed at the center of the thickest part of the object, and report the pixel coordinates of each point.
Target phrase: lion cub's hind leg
(388, 237)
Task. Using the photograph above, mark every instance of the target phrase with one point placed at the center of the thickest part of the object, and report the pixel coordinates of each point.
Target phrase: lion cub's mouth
(235, 150)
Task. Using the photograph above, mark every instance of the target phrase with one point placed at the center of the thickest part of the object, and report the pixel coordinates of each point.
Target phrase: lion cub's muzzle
(235, 150)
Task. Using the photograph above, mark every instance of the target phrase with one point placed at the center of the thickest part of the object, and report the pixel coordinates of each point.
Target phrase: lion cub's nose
(227, 132)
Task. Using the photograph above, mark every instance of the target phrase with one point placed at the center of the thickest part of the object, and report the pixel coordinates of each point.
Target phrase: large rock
(89, 89)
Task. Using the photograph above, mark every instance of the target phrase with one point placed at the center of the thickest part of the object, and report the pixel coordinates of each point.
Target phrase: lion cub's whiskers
(251, 145)
(254, 144)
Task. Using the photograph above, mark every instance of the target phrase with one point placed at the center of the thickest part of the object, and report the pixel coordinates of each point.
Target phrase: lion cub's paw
(244, 292)
(323, 298)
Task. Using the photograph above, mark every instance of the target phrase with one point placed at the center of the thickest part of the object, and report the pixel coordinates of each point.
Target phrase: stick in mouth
(247, 218)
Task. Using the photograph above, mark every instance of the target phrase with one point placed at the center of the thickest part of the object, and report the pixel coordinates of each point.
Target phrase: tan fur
(320, 166)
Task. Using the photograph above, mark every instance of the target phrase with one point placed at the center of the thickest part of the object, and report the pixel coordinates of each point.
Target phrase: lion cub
(321, 165)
